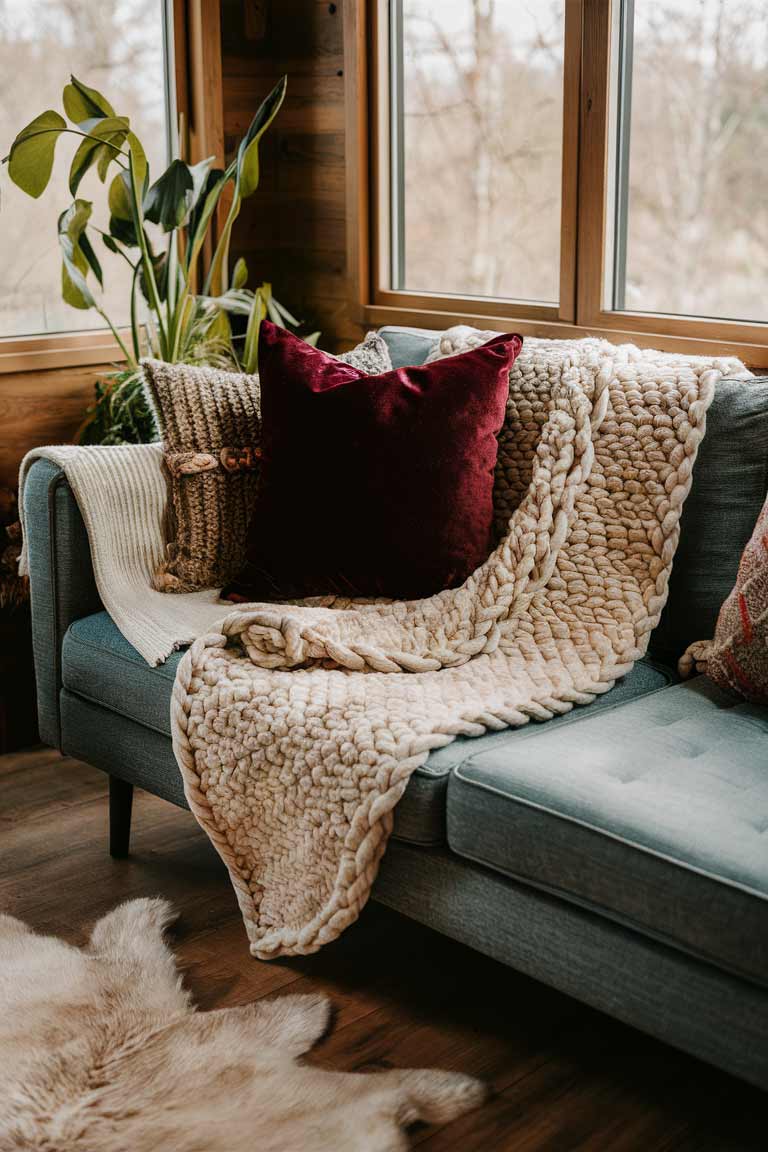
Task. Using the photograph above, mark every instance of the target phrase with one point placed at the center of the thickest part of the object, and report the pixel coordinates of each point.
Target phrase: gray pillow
(730, 479)
(408, 345)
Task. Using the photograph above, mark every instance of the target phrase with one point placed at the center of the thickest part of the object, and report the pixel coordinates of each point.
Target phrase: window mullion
(623, 131)
(592, 163)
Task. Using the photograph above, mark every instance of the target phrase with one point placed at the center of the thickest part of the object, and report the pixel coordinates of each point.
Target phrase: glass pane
(478, 121)
(115, 46)
(692, 214)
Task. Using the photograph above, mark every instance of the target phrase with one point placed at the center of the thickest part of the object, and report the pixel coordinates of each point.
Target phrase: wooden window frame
(587, 130)
(196, 69)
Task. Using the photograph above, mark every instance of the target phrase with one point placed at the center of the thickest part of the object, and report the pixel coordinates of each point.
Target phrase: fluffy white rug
(101, 1050)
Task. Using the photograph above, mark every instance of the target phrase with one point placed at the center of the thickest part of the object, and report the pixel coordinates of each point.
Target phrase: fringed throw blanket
(297, 727)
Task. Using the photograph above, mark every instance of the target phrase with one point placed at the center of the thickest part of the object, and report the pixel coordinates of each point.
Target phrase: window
(477, 114)
(566, 165)
(115, 46)
(691, 201)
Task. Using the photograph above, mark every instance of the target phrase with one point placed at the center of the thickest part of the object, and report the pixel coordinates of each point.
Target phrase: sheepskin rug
(101, 1050)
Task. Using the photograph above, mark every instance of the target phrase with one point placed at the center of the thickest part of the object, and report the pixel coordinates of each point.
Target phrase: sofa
(618, 853)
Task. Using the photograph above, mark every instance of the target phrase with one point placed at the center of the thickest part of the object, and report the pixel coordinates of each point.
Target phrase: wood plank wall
(293, 231)
(40, 408)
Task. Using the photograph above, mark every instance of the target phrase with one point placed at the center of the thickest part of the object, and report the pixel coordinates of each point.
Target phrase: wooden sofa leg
(120, 805)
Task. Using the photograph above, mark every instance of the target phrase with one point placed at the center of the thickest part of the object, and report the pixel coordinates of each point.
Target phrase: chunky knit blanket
(297, 727)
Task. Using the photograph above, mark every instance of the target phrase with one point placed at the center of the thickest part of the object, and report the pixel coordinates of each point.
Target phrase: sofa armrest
(62, 584)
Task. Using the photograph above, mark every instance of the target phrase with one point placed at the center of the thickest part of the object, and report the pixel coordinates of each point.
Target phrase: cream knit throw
(122, 494)
(297, 728)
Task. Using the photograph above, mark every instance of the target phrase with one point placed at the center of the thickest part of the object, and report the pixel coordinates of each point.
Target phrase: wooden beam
(206, 105)
(357, 155)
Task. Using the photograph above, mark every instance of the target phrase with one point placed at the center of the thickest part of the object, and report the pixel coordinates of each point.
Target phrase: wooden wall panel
(293, 231)
(41, 408)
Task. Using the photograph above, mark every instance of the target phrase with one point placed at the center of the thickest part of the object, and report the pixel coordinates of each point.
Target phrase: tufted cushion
(659, 820)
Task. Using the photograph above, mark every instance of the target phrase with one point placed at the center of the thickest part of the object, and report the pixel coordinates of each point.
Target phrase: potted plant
(181, 303)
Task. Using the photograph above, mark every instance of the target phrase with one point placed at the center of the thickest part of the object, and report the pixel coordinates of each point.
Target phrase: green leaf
(239, 274)
(286, 315)
(139, 161)
(106, 156)
(250, 356)
(238, 301)
(160, 269)
(201, 215)
(93, 261)
(274, 315)
(200, 173)
(123, 231)
(248, 152)
(219, 329)
(81, 103)
(106, 135)
(167, 201)
(72, 225)
(204, 203)
(30, 160)
(312, 338)
(119, 197)
(248, 171)
(110, 243)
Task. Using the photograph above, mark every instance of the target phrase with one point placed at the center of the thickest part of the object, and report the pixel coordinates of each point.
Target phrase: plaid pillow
(737, 657)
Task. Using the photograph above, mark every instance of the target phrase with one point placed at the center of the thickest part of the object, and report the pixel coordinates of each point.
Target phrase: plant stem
(146, 260)
(170, 288)
(76, 132)
(134, 317)
(89, 136)
(214, 281)
(120, 251)
(116, 334)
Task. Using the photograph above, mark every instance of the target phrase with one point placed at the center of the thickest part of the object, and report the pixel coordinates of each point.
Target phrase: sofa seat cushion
(659, 819)
(99, 665)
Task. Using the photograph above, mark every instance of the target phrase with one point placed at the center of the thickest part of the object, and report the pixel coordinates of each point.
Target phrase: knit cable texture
(297, 727)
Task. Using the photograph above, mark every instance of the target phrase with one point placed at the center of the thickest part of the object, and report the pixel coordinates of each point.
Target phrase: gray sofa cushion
(730, 480)
(660, 819)
(100, 666)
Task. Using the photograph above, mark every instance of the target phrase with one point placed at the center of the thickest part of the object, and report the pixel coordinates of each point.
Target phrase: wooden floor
(564, 1077)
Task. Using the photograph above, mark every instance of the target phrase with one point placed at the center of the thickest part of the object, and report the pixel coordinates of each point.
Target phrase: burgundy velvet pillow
(372, 485)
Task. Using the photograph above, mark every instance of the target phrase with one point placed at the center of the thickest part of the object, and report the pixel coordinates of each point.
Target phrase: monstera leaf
(82, 103)
(104, 140)
(30, 160)
(167, 201)
(77, 255)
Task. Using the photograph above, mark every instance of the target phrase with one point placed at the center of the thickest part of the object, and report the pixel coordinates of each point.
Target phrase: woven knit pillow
(737, 657)
(210, 424)
(373, 486)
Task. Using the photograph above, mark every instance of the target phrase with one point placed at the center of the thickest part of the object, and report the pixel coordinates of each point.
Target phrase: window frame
(192, 41)
(590, 51)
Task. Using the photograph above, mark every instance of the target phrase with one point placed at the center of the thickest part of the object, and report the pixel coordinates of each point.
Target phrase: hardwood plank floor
(564, 1078)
